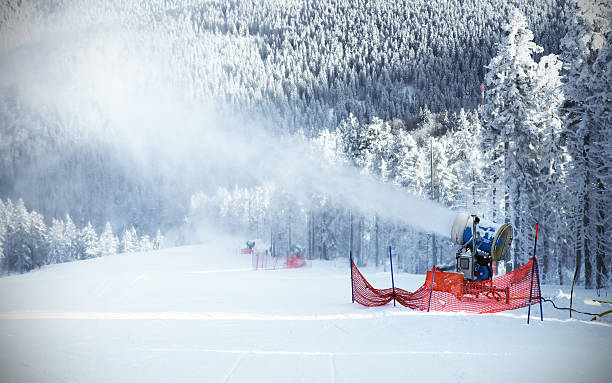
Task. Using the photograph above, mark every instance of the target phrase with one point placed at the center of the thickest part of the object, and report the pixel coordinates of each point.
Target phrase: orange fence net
(266, 261)
(452, 293)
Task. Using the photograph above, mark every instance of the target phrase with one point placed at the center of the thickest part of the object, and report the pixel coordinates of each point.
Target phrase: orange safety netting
(265, 261)
(452, 293)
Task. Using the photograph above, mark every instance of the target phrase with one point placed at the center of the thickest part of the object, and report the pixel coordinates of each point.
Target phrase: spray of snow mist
(142, 81)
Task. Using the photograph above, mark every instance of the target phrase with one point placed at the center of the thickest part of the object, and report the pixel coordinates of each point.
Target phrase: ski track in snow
(234, 367)
(332, 368)
(322, 353)
(216, 271)
(222, 316)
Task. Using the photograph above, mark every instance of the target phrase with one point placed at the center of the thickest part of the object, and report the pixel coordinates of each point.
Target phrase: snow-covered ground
(201, 314)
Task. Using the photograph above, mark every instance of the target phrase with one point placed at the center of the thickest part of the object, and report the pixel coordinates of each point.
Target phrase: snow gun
(481, 243)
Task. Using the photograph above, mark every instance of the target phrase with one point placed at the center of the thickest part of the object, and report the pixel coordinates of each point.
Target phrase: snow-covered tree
(513, 129)
(25, 245)
(129, 241)
(58, 245)
(158, 241)
(89, 245)
(37, 230)
(71, 234)
(108, 243)
(601, 105)
(376, 147)
(465, 152)
(550, 159)
(145, 243)
(408, 160)
(351, 138)
(447, 177)
(587, 124)
(3, 226)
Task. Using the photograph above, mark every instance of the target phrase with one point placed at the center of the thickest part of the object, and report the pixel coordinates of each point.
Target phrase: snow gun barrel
(491, 238)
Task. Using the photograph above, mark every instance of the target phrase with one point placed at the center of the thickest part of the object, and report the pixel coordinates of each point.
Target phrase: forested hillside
(384, 58)
(144, 114)
(289, 65)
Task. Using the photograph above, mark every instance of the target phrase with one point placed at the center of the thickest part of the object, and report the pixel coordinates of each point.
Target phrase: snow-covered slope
(201, 314)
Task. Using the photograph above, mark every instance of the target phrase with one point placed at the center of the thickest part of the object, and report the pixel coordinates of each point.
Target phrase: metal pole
(473, 239)
(530, 288)
(535, 242)
(572, 292)
(392, 282)
(539, 288)
(433, 275)
(533, 265)
(433, 197)
(352, 286)
(432, 171)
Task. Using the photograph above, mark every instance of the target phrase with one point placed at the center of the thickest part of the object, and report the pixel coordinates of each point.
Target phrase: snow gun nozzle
(491, 238)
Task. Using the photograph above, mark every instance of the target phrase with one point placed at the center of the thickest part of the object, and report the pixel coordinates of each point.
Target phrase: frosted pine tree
(57, 242)
(37, 238)
(18, 253)
(511, 130)
(108, 242)
(465, 164)
(7, 218)
(158, 241)
(88, 242)
(129, 241)
(329, 144)
(376, 146)
(446, 175)
(585, 121)
(3, 225)
(145, 243)
(601, 107)
(352, 138)
(25, 242)
(70, 237)
(551, 160)
(406, 162)
(478, 180)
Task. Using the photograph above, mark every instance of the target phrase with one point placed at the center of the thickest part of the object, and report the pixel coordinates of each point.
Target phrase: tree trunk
(308, 250)
(578, 246)
(324, 251)
(516, 254)
(586, 221)
(588, 282)
(602, 271)
(376, 241)
(434, 257)
(496, 170)
(313, 239)
(359, 244)
(474, 190)
(545, 255)
(507, 187)
(309, 235)
(351, 234)
(562, 254)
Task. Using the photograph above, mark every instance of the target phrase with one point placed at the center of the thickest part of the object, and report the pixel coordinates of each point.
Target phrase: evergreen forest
(148, 123)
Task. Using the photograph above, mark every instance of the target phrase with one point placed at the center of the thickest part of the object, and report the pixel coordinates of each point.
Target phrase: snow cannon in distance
(491, 238)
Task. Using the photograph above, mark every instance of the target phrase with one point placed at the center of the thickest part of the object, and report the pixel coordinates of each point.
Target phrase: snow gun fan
(491, 242)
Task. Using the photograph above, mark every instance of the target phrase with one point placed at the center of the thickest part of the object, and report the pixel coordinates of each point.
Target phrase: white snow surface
(200, 314)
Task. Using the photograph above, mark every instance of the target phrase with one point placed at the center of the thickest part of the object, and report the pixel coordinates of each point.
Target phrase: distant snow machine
(481, 244)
